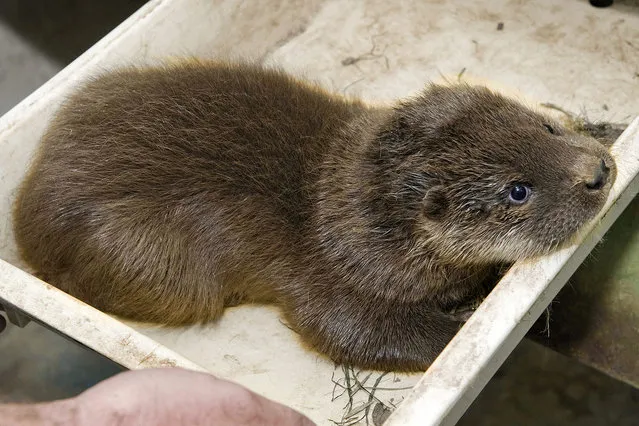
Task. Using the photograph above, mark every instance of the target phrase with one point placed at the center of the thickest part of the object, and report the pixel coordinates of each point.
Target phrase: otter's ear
(435, 203)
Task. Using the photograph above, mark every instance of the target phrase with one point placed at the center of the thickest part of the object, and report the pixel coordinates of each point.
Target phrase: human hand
(157, 397)
(173, 396)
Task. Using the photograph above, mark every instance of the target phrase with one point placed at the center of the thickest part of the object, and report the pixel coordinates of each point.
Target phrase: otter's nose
(599, 177)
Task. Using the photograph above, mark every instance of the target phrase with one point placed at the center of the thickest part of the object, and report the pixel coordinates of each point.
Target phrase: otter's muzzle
(599, 177)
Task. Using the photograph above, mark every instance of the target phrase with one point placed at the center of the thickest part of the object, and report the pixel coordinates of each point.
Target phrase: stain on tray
(549, 33)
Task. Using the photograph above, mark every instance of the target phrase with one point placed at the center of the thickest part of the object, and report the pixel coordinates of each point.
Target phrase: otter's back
(196, 128)
(151, 178)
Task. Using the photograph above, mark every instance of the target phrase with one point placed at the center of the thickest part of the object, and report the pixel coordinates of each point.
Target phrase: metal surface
(14, 316)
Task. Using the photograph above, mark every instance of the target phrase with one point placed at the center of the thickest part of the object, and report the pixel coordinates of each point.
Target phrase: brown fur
(166, 194)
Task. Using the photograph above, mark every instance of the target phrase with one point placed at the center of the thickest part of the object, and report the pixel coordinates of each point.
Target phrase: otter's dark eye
(519, 194)
(549, 128)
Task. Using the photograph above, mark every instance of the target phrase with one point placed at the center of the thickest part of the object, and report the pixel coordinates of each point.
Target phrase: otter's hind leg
(157, 273)
(136, 268)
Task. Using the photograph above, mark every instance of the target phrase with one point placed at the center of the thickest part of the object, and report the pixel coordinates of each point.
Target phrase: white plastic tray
(399, 46)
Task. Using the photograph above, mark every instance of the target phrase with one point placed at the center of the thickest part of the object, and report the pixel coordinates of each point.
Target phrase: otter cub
(165, 194)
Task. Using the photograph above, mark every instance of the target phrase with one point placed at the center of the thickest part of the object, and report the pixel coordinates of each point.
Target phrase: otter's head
(489, 179)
